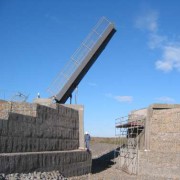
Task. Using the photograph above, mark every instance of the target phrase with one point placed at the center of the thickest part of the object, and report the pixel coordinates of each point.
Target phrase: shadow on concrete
(103, 162)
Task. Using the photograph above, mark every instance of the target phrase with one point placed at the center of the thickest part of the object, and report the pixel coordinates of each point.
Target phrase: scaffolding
(129, 132)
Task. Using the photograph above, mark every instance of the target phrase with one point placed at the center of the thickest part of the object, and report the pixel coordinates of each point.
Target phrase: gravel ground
(103, 168)
(53, 175)
(99, 149)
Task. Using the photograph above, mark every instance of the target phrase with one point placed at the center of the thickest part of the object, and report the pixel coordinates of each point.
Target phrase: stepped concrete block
(36, 138)
(43, 127)
(69, 163)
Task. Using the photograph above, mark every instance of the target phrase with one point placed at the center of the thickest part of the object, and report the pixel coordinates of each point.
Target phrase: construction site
(48, 135)
(149, 145)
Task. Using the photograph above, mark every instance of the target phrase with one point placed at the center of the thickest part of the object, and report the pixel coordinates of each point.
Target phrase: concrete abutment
(36, 137)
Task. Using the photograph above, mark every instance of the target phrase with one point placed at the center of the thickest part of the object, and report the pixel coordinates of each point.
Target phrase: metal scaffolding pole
(128, 132)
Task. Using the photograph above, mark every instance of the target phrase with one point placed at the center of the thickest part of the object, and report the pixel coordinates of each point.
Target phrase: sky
(140, 65)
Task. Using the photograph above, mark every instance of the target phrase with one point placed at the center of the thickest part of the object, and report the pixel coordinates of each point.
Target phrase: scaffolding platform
(129, 132)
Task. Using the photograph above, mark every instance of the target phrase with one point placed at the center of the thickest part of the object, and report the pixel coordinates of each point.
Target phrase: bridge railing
(78, 56)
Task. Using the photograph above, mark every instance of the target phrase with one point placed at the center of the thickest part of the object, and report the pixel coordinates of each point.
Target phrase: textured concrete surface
(80, 109)
(35, 137)
(162, 158)
(158, 155)
(69, 163)
(51, 129)
(20, 108)
(159, 164)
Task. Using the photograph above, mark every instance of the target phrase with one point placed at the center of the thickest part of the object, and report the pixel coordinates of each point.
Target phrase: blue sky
(140, 65)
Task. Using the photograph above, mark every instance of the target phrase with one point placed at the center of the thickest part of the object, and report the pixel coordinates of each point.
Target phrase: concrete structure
(82, 60)
(160, 158)
(34, 137)
(157, 154)
(80, 109)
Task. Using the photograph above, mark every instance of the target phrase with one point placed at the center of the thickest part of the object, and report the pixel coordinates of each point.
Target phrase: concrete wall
(80, 109)
(162, 158)
(30, 134)
(20, 108)
(140, 112)
(69, 163)
(52, 129)
(165, 130)
(141, 140)
(159, 165)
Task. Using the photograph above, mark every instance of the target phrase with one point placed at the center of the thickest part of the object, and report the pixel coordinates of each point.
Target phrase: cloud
(156, 41)
(170, 59)
(125, 99)
(147, 21)
(165, 100)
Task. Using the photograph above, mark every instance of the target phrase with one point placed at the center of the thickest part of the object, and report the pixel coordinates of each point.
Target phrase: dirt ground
(103, 164)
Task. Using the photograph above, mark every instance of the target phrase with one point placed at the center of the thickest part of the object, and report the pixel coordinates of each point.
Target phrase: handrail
(86, 50)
